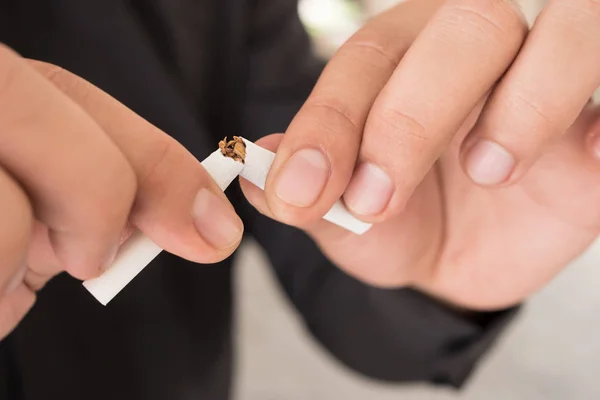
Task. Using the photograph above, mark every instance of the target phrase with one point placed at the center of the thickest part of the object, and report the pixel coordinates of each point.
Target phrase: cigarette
(236, 157)
(138, 251)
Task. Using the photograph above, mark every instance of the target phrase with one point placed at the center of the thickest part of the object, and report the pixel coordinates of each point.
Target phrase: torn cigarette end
(235, 148)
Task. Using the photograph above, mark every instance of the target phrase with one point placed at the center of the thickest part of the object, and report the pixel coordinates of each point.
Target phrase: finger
(80, 185)
(316, 158)
(458, 57)
(177, 205)
(15, 229)
(541, 96)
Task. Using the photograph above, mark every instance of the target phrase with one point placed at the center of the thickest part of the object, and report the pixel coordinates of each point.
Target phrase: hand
(75, 167)
(423, 123)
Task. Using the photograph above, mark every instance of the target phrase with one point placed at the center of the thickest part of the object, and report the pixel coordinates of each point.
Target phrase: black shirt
(201, 70)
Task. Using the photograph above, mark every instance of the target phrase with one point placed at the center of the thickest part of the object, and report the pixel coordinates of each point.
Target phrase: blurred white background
(552, 352)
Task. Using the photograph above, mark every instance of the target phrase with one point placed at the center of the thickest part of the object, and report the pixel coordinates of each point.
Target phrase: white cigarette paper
(139, 250)
(135, 254)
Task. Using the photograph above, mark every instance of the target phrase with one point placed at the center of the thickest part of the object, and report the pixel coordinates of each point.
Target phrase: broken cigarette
(235, 157)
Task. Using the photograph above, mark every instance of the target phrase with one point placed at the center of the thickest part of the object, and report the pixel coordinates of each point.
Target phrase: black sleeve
(392, 335)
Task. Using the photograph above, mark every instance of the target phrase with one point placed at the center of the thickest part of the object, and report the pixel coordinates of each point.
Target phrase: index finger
(316, 158)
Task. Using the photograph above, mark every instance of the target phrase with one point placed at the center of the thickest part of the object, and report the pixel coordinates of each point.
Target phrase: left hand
(386, 128)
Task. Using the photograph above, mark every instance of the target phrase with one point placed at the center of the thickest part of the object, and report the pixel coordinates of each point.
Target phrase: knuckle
(501, 18)
(382, 41)
(333, 107)
(67, 82)
(538, 113)
(50, 71)
(333, 115)
(374, 49)
(538, 110)
(400, 125)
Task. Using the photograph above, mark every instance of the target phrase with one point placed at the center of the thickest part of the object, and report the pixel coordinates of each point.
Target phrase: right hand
(382, 129)
(76, 169)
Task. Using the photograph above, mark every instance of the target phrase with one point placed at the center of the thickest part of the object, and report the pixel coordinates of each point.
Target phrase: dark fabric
(201, 70)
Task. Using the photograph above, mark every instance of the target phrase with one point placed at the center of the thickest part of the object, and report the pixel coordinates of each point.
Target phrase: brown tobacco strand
(235, 148)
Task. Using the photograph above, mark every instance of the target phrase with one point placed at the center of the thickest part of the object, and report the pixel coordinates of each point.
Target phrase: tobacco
(235, 148)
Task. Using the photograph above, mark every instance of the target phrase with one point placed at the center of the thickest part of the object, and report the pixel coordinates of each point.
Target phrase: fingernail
(488, 163)
(303, 178)
(215, 220)
(369, 191)
(16, 280)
